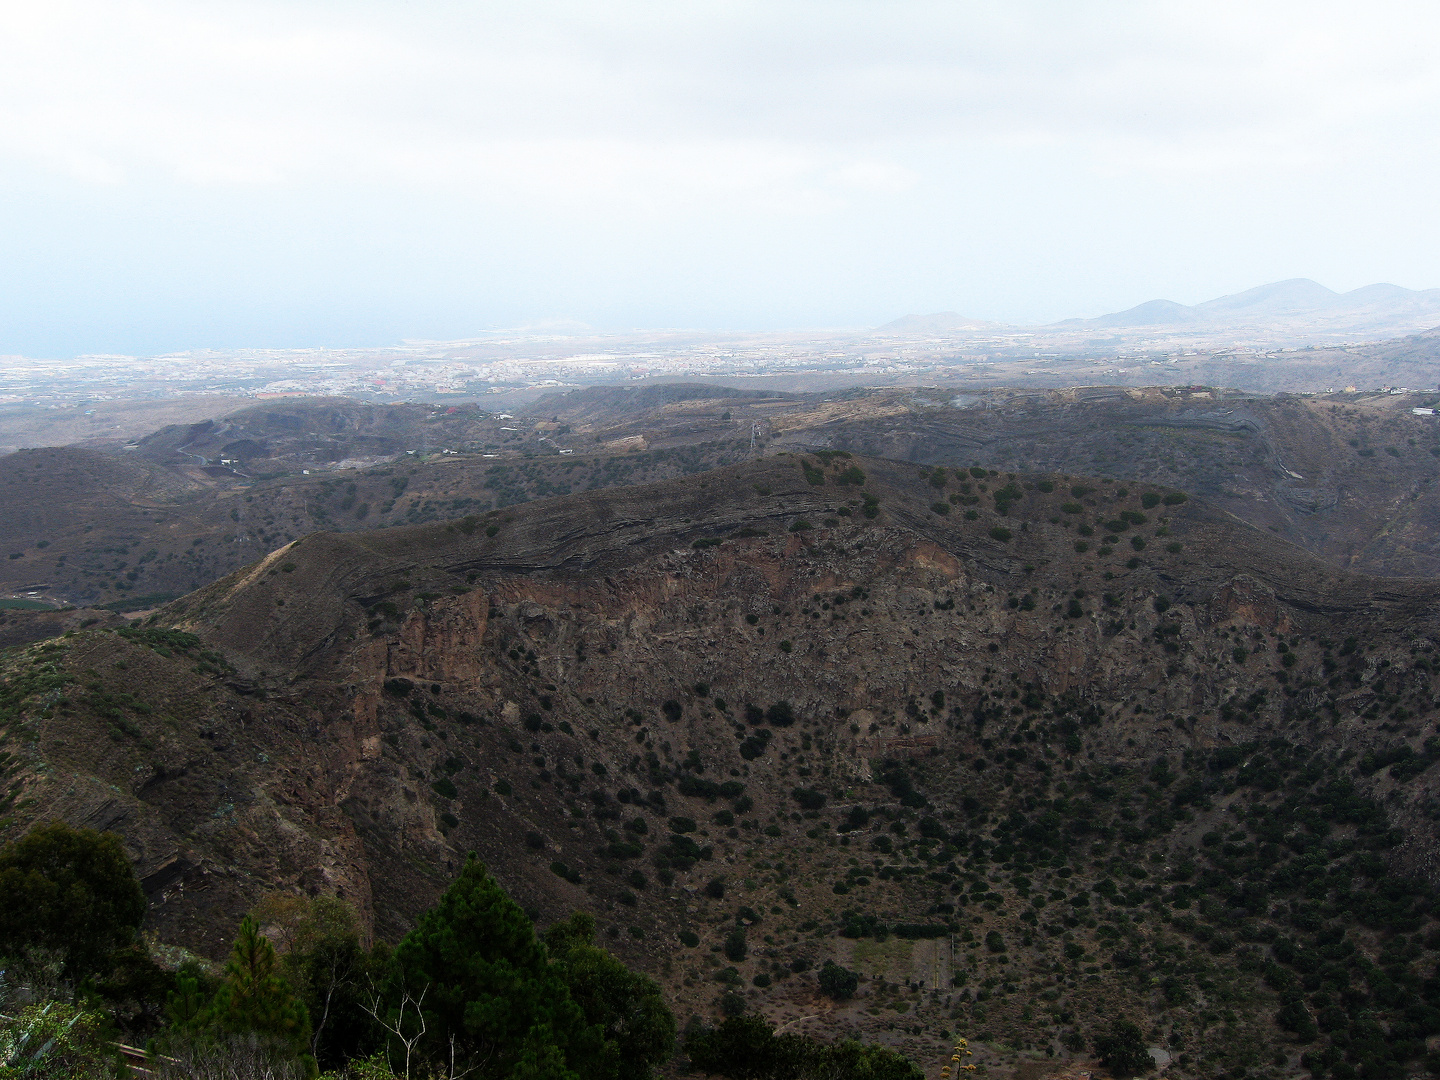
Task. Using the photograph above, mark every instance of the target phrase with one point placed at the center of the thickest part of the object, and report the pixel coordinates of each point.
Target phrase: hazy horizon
(225, 175)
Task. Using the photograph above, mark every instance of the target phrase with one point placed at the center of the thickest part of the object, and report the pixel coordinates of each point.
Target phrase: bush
(58, 1041)
(72, 891)
(735, 947)
(672, 710)
(689, 938)
(715, 888)
(1122, 1050)
(808, 798)
(999, 532)
(445, 788)
(838, 982)
(780, 714)
(1150, 500)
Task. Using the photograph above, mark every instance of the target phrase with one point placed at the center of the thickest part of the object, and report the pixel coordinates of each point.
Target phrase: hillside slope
(1028, 752)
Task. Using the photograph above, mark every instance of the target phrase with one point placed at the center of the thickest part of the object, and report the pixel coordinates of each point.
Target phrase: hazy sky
(190, 174)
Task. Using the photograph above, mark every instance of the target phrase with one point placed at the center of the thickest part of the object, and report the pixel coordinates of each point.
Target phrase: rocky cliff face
(994, 715)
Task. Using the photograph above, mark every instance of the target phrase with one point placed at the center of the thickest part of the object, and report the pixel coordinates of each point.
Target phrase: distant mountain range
(1298, 300)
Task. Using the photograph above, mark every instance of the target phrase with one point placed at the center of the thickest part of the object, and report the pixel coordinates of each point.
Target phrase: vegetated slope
(152, 532)
(1349, 477)
(315, 433)
(1029, 752)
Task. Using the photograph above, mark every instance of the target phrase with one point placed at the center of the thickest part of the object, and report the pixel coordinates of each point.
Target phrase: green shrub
(999, 532)
(56, 1041)
(780, 714)
(837, 982)
(1122, 1050)
(808, 798)
(72, 891)
(689, 938)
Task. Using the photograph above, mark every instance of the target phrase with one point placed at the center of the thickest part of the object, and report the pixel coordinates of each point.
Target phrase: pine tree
(624, 1006)
(255, 996)
(490, 992)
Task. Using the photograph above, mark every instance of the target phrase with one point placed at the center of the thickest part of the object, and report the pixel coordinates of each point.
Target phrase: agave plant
(54, 1040)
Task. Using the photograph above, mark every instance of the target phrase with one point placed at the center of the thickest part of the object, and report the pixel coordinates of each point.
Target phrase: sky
(223, 174)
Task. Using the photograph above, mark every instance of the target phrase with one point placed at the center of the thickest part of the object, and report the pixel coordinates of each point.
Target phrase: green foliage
(780, 714)
(808, 798)
(70, 890)
(625, 1007)
(256, 997)
(747, 1048)
(445, 788)
(1122, 1050)
(55, 1041)
(485, 986)
(1000, 533)
(838, 982)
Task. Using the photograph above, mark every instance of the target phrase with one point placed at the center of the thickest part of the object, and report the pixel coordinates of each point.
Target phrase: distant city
(1233, 340)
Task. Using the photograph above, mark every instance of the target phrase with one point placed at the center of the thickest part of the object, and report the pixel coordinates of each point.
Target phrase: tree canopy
(69, 890)
(625, 1007)
(489, 990)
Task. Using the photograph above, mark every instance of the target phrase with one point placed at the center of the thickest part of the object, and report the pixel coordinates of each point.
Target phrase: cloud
(1012, 159)
(275, 94)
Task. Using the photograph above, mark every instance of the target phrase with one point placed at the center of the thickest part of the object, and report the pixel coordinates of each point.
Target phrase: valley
(1348, 477)
(1027, 749)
